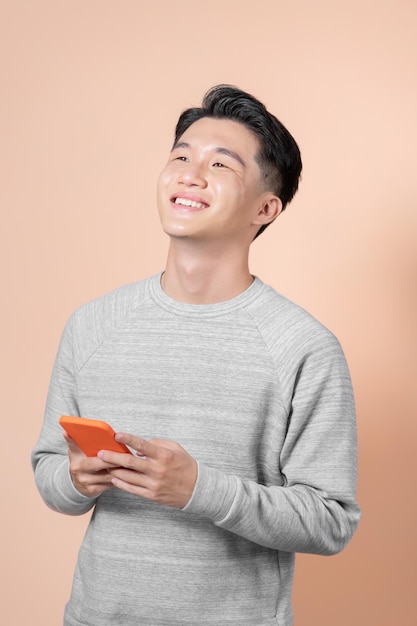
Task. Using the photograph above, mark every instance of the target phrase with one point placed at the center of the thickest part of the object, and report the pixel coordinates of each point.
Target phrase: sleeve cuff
(213, 494)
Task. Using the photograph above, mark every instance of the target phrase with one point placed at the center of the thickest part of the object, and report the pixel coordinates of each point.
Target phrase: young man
(237, 402)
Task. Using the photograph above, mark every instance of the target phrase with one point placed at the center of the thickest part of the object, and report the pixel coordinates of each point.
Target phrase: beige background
(90, 93)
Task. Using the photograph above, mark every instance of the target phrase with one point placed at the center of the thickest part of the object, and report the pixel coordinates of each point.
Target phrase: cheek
(161, 182)
(162, 186)
(226, 190)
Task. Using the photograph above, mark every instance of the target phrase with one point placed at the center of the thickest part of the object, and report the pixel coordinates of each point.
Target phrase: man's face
(211, 186)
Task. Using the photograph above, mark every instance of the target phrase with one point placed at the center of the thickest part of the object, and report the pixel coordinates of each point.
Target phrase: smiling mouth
(192, 204)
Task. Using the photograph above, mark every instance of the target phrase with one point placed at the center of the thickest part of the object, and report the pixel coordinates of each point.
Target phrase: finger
(141, 446)
(90, 463)
(92, 485)
(128, 461)
(129, 487)
(71, 444)
(129, 476)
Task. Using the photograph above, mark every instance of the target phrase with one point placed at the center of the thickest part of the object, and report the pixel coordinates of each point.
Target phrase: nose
(193, 175)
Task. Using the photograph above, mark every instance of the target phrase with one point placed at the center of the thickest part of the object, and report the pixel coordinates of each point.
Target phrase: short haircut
(279, 157)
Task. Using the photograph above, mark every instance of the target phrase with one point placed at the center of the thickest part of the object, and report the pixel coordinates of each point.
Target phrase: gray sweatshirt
(259, 393)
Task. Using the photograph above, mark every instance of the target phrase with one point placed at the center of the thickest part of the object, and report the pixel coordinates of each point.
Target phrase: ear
(269, 207)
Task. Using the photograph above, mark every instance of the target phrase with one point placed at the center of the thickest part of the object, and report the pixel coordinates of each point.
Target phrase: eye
(181, 158)
(218, 164)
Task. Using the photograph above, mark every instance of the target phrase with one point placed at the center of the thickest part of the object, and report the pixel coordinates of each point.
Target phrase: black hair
(279, 156)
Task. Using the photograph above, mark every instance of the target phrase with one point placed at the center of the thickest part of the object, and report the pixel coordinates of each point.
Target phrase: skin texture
(214, 165)
(163, 472)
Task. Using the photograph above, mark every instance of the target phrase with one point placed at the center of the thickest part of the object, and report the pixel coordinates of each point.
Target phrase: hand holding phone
(92, 435)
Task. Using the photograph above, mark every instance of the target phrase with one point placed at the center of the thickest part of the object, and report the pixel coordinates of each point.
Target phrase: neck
(205, 276)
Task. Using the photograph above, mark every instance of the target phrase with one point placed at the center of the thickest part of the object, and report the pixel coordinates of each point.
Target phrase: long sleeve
(50, 457)
(259, 393)
(314, 510)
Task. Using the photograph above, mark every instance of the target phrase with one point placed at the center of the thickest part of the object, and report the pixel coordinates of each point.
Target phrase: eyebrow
(219, 150)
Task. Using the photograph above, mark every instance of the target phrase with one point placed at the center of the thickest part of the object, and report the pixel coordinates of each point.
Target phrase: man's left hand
(162, 472)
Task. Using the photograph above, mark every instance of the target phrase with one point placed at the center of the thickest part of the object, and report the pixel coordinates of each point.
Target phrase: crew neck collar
(203, 310)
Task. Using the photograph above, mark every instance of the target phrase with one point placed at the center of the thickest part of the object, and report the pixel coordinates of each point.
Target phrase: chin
(173, 230)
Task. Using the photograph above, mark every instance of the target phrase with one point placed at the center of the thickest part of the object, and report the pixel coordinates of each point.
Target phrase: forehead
(211, 133)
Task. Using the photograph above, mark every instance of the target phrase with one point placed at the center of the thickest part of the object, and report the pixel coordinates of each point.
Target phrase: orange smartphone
(92, 435)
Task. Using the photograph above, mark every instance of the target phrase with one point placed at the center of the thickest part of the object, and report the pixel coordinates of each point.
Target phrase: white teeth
(191, 203)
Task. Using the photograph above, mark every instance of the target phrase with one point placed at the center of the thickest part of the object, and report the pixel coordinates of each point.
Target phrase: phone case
(91, 435)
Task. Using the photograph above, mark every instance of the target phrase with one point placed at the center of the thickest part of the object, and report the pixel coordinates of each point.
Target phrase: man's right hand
(89, 474)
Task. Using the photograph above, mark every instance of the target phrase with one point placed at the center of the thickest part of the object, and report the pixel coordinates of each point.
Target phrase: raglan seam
(108, 333)
(270, 354)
